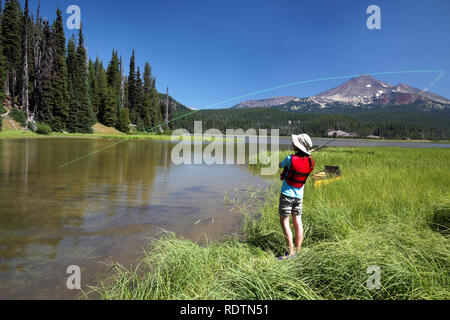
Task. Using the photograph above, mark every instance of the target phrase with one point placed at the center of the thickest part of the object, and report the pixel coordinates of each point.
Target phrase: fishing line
(323, 145)
(90, 154)
(439, 77)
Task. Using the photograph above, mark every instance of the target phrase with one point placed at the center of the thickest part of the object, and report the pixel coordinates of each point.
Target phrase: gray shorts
(289, 205)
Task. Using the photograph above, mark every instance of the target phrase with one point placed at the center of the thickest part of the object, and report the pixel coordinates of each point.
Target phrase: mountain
(265, 102)
(363, 92)
(356, 90)
(367, 91)
(361, 107)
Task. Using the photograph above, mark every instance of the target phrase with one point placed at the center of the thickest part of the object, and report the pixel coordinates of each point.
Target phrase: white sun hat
(303, 142)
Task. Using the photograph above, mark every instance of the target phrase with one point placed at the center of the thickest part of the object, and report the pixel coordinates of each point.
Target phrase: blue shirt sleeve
(286, 162)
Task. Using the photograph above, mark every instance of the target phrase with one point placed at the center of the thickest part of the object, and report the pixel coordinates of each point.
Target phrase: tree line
(318, 125)
(52, 81)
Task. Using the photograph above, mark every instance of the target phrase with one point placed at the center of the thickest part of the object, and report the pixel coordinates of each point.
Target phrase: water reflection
(99, 208)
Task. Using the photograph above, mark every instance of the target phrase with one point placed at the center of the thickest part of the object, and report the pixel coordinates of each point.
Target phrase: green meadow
(390, 210)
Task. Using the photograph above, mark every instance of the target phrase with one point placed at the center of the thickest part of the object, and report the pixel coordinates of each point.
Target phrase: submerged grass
(382, 213)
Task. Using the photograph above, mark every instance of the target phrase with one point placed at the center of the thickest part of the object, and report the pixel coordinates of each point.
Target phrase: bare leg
(297, 221)
(284, 221)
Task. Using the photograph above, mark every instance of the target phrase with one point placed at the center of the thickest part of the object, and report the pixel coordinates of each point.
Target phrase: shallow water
(101, 208)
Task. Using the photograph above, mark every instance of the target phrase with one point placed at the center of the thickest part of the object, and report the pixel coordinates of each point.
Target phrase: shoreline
(5, 135)
(10, 134)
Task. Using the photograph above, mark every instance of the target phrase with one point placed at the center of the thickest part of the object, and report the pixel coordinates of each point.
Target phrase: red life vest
(299, 171)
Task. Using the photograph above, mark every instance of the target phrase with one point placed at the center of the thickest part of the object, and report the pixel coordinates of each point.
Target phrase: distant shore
(158, 137)
(19, 134)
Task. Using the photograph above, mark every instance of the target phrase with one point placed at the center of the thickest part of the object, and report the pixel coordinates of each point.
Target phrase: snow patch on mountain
(357, 92)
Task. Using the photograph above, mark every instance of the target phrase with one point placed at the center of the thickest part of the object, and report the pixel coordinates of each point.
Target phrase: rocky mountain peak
(357, 92)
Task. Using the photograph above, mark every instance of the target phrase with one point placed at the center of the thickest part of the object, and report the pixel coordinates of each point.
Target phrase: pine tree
(170, 115)
(102, 90)
(86, 116)
(157, 118)
(45, 89)
(70, 60)
(110, 110)
(60, 99)
(25, 79)
(114, 75)
(143, 114)
(123, 85)
(99, 93)
(166, 111)
(11, 38)
(151, 98)
(131, 89)
(2, 63)
(124, 120)
(148, 83)
(92, 78)
(36, 41)
(30, 60)
(2, 76)
(64, 90)
(73, 123)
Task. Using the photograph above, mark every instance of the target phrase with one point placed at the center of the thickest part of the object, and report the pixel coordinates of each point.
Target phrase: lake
(59, 208)
(101, 208)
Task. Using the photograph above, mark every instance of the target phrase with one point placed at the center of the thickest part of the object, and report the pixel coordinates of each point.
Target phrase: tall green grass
(383, 212)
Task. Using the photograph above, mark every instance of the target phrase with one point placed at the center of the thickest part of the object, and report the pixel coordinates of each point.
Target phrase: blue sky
(209, 51)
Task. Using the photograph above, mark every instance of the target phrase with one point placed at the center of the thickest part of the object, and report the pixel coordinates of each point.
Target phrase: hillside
(10, 125)
(177, 106)
(102, 129)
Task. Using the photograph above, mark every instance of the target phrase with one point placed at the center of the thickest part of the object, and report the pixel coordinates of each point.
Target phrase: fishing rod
(323, 145)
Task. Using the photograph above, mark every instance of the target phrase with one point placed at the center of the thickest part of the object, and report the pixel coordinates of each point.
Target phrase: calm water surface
(100, 209)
